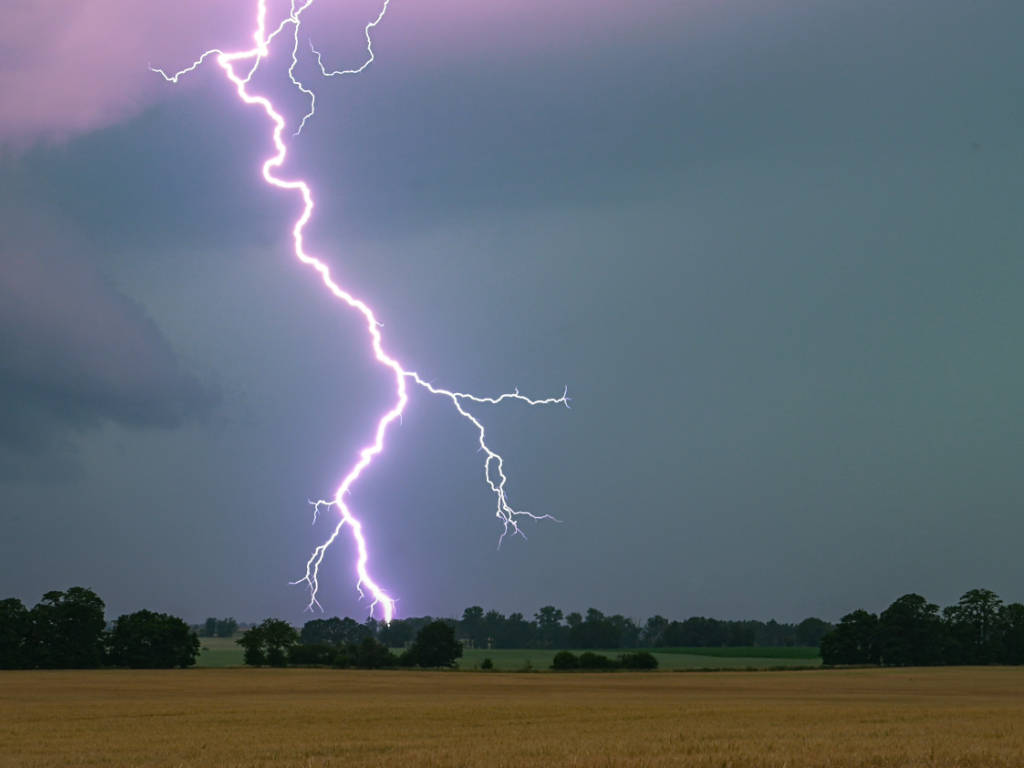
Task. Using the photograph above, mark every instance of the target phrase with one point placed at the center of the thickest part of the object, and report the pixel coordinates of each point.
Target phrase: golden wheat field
(296, 717)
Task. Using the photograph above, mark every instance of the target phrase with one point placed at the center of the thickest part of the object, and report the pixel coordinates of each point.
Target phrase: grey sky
(773, 250)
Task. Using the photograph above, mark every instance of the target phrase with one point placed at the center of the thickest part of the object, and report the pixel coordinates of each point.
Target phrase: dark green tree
(595, 631)
(653, 633)
(369, 653)
(67, 630)
(972, 625)
(811, 630)
(435, 646)
(209, 627)
(910, 633)
(313, 654)
(519, 633)
(226, 627)
(1011, 629)
(268, 643)
(331, 631)
(494, 630)
(853, 641)
(15, 627)
(148, 640)
(472, 626)
(550, 631)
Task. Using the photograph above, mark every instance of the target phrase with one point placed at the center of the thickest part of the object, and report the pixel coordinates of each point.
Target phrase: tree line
(978, 629)
(344, 643)
(68, 630)
(550, 628)
(431, 642)
(214, 627)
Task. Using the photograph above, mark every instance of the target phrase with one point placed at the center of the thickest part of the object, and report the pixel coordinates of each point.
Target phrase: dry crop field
(302, 717)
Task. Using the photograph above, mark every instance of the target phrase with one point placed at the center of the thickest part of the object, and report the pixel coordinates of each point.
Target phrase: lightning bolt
(239, 68)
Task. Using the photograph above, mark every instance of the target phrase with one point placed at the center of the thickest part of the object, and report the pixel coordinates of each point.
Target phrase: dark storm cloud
(74, 351)
(772, 248)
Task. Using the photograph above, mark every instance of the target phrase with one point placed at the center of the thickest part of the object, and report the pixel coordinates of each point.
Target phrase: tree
(67, 630)
(494, 629)
(626, 632)
(853, 641)
(435, 646)
(268, 643)
(147, 640)
(653, 633)
(973, 628)
(519, 633)
(472, 626)
(370, 654)
(316, 654)
(226, 627)
(772, 633)
(811, 630)
(550, 631)
(595, 631)
(400, 632)
(318, 632)
(15, 625)
(910, 633)
(1011, 629)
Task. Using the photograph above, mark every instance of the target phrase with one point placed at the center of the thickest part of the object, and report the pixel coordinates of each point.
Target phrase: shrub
(638, 660)
(342, 658)
(370, 654)
(565, 660)
(312, 654)
(487, 664)
(590, 660)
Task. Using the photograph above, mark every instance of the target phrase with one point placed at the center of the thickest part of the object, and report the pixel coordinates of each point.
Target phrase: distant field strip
(803, 653)
(298, 718)
(508, 659)
(224, 652)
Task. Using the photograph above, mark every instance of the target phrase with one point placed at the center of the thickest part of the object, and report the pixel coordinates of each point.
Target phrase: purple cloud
(74, 351)
(86, 66)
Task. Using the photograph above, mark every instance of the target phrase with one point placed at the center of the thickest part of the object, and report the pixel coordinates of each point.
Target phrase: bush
(638, 660)
(487, 664)
(565, 660)
(312, 654)
(590, 660)
(342, 658)
(370, 654)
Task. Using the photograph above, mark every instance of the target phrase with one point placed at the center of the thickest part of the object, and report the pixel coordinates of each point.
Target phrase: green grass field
(225, 652)
(803, 653)
(219, 652)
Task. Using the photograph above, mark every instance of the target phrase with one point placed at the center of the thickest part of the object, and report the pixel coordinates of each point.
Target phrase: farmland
(298, 717)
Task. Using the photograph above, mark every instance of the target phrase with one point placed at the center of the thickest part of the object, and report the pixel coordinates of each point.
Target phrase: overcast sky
(775, 250)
